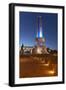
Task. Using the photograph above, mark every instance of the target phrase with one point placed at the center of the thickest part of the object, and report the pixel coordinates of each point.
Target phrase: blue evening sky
(28, 28)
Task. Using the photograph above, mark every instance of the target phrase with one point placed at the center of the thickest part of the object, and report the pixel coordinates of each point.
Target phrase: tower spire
(39, 27)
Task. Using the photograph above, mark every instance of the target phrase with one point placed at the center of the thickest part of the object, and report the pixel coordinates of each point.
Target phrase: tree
(22, 50)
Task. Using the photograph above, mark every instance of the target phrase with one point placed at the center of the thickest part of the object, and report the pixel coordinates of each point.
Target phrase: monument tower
(40, 40)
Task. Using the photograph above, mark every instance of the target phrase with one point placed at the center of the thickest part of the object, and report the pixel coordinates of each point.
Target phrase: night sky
(28, 28)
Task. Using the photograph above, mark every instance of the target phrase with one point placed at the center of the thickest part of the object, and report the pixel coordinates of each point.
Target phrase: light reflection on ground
(38, 66)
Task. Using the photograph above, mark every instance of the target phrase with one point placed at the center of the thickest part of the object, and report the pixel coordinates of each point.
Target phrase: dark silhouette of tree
(22, 51)
(22, 46)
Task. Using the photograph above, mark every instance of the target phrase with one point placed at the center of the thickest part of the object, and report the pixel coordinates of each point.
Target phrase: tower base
(40, 50)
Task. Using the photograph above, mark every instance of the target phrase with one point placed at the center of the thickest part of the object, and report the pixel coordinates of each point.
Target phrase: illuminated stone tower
(40, 40)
